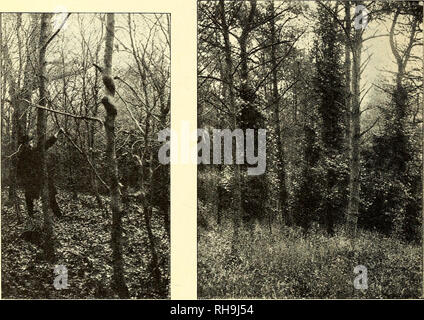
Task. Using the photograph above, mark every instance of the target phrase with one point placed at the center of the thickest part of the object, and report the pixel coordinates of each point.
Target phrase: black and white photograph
(85, 200)
(313, 112)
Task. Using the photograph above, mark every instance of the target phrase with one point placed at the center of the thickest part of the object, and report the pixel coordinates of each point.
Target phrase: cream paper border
(183, 111)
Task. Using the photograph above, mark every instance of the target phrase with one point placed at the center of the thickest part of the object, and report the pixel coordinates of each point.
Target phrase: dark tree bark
(282, 193)
(396, 127)
(19, 95)
(348, 70)
(14, 141)
(229, 82)
(355, 136)
(41, 135)
(147, 214)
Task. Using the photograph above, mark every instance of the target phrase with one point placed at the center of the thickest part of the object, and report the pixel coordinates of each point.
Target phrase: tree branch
(57, 31)
(370, 127)
(88, 160)
(63, 113)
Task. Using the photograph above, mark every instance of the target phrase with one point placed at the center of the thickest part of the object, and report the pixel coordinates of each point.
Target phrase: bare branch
(56, 32)
(63, 113)
(88, 160)
(370, 127)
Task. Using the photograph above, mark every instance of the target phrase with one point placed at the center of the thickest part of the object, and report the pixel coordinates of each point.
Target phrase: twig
(369, 128)
(88, 160)
(64, 113)
(131, 114)
(56, 32)
(17, 151)
(148, 111)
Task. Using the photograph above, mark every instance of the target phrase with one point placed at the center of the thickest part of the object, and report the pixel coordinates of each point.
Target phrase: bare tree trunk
(118, 279)
(282, 194)
(41, 135)
(91, 137)
(217, 169)
(16, 125)
(147, 212)
(164, 111)
(348, 67)
(13, 176)
(19, 97)
(229, 81)
(355, 165)
(422, 181)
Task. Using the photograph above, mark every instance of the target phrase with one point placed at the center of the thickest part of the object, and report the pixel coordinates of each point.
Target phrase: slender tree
(280, 164)
(229, 82)
(108, 101)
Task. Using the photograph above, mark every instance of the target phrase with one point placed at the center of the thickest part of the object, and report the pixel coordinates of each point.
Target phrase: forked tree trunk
(118, 280)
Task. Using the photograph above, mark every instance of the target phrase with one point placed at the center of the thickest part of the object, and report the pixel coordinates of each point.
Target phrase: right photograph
(310, 153)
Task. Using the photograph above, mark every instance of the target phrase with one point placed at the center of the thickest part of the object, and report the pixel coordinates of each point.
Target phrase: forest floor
(82, 242)
(286, 264)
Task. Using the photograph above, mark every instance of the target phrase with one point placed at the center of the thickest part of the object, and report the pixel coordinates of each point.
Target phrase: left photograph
(85, 203)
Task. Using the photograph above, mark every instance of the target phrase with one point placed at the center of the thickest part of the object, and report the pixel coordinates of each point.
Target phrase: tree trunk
(355, 164)
(247, 94)
(14, 144)
(229, 82)
(282, 193)
(397, 126)
(164, 111)
(118, 279)
(147, 211)
(422, 181)
(16, 125)
(41, 135)
(91, 134)
(348, 67)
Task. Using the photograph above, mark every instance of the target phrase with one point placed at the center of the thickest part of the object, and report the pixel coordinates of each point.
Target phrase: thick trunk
(118, 279)
(18, 97)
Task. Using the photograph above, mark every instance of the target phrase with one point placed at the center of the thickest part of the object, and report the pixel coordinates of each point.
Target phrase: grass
(286, 264)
